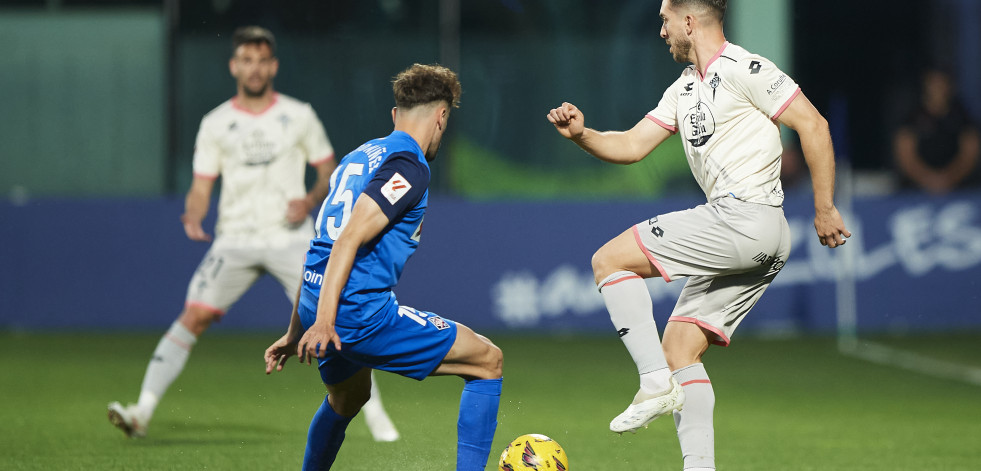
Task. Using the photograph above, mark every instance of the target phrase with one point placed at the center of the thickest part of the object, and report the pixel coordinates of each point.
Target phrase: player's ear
(231, 66)
(442, 116)
(395, 110)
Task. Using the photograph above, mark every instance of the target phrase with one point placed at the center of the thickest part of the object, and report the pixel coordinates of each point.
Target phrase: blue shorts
(397, 338)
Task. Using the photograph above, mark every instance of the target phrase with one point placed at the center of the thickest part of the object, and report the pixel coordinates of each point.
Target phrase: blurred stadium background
(102, 99)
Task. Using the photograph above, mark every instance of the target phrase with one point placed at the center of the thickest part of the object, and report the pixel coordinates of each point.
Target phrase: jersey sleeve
(765, 86)
(398, 184)
(207, 153)
(315, 141)
(666, 113)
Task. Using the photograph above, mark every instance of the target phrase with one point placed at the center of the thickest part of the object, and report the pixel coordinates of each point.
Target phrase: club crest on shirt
(438, 322)
(395, 188)
(698, 125)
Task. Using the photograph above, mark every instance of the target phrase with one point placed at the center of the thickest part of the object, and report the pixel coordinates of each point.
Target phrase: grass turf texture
(781, 404)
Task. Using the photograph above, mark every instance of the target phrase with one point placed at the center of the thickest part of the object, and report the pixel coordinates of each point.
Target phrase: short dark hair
(424, 84)
(253, 35)
(717, 7)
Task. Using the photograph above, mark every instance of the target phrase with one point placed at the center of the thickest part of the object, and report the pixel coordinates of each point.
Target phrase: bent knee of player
(603, 264)
(197, 319)
(493, 362)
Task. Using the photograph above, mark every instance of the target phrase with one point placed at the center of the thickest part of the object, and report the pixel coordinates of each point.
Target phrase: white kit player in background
(259, 142)
(727, 107)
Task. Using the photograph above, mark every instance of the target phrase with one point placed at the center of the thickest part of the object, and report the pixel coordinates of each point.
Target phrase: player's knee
(601, 264)
(198, 319)
(495, 362)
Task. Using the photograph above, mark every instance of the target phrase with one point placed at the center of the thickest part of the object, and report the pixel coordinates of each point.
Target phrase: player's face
(673, 32)
(254, 67)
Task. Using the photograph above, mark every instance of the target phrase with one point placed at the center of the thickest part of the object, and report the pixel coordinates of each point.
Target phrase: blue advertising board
(125, 264)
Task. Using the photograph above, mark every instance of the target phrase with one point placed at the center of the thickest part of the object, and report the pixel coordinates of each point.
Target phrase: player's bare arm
(619, 147)
(280, 351)
(196, 208)
(367, 221)
(299, 208)
(815, 141)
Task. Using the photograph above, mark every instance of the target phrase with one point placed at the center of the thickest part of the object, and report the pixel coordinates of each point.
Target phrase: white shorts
(730, 250)
(229, 270)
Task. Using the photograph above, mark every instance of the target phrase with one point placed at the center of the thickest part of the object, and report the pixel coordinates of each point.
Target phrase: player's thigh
(223, 276)
(285, 263)
(472, 355)
(622, 253)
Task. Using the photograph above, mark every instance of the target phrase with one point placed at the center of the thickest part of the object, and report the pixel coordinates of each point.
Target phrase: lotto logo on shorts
(439, 322)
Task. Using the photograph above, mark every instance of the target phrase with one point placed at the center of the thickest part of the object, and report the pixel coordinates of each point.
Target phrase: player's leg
(684, 345)
(343, 401)
(220, 280)
(479, 362)
(620, 267)
(286, 266)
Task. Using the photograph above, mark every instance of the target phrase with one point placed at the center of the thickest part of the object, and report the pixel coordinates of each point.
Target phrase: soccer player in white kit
(727, 107)
(259, 142)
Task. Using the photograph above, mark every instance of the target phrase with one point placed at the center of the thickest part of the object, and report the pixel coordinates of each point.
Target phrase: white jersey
(262, 159)
(727, 121)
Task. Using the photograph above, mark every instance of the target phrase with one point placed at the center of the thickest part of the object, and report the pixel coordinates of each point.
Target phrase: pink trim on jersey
(783, 108)
(696, 381)
(662, 124)
(326, 158)
(235, 105)
(722, 339)
(717, 55)
(205, 176)
(650, 257)
(622, 278)
(206, 307)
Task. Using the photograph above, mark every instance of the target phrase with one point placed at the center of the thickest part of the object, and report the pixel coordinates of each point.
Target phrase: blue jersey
(394, 172)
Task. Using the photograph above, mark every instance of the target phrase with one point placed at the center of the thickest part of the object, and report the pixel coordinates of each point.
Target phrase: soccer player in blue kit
(346, 314)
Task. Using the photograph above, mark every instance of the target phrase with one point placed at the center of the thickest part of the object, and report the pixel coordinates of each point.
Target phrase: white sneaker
(646, 407)
(128, 419)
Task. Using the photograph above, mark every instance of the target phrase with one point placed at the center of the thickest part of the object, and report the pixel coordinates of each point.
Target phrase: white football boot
(647, 407)
(379, 424)
(129, 419)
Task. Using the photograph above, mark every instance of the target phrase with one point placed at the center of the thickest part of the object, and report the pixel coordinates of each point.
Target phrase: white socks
(167, 363)
(694, 422)
(632, 313)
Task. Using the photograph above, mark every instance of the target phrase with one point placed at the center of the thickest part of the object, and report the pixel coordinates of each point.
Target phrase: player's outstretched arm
(619, 147)
(367, 221)
(815, 141)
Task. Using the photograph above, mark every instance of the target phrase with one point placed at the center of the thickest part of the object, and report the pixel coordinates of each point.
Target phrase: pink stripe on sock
(178, 342)
(694, 381)
(622, 278)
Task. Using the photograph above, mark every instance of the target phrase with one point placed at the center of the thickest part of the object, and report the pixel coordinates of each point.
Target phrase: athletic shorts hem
(721, 338)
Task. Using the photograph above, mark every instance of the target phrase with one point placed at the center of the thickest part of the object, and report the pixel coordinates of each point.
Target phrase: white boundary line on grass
(905, 359)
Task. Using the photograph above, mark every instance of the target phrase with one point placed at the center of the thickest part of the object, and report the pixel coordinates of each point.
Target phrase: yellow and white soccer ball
(533, 451)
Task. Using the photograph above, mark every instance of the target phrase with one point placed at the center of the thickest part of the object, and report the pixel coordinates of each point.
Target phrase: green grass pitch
(780, 405)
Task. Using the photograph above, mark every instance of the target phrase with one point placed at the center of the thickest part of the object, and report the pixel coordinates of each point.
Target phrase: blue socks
(325, 438)
(477, 423)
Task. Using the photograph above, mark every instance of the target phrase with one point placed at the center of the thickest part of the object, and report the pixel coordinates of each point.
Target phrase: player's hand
(314, 342)
(280, 351)
(568, 120)
(297, 211)
(830, 227)
(194, 230)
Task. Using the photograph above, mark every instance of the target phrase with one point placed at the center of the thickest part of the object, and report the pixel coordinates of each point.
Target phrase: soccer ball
(533, 451)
